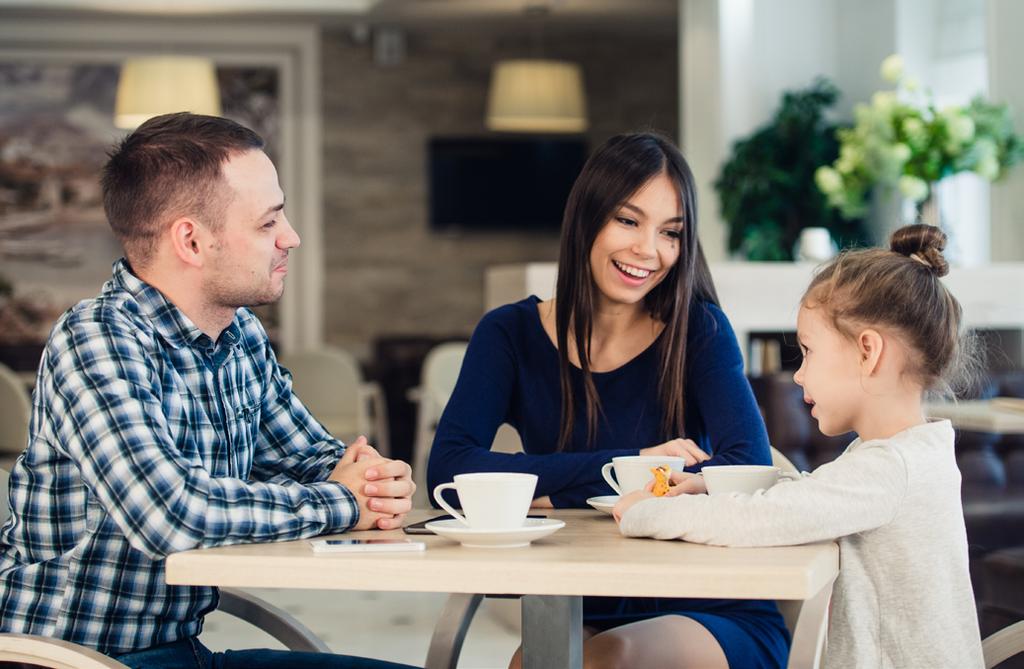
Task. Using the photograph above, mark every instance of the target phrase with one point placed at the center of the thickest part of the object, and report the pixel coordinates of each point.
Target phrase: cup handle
(606, 472)
(790, 476)
(447, 507)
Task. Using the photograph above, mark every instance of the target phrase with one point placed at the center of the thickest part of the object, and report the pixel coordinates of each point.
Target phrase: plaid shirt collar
(168, 320)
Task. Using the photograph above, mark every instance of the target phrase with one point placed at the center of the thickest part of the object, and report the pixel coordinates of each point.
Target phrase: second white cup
(490, 500)
(633, 472)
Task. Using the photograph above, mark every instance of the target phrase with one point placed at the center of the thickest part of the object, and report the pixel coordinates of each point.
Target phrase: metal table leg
(552, 632)
(451, 629)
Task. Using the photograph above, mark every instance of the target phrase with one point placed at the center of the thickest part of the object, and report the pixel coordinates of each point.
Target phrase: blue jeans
(190, 654)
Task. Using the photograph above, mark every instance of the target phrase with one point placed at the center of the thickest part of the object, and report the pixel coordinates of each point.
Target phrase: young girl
(877, 329)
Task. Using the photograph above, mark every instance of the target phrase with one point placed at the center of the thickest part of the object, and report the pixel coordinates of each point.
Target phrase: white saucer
(604, 503)
(535, 528)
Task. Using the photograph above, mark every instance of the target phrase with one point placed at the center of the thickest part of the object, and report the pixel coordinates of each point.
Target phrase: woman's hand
(684, 448)
(542, 503)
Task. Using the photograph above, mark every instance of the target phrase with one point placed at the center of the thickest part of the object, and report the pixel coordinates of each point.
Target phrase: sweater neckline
(533, 301)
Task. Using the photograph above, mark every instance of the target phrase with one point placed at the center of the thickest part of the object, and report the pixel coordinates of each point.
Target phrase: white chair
(15, 412)
(329, 382)
(801, 613)
(1003, 645)
(437, 381)
(792, 609)
(782, 462)
(60, 654)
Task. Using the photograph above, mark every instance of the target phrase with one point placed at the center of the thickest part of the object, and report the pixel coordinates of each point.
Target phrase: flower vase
(929, 211)
(889, 211)
(955, 205)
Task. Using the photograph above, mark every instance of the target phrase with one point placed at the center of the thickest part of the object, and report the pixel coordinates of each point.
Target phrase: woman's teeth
(632, 271)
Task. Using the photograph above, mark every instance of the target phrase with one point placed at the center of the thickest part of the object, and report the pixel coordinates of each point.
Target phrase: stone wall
(386, 273)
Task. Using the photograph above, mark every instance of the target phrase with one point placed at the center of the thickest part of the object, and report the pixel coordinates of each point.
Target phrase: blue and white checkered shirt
(148, 438)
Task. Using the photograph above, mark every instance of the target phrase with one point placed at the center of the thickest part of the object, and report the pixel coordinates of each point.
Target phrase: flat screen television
(516, 183)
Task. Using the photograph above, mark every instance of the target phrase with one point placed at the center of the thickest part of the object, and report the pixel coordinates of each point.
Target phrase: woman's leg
(667, 641)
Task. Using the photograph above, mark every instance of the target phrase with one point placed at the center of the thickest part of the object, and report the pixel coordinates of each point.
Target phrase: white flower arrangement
(901, 140)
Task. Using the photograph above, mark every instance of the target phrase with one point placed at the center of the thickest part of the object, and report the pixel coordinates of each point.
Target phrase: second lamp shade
(536, 96)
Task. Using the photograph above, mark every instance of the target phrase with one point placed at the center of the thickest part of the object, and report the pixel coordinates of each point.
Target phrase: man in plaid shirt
(162, 422)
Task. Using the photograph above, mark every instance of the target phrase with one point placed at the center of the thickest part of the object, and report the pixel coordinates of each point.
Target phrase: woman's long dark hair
(616, 171)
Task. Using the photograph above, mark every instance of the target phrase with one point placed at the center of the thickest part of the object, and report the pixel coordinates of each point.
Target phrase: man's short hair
(167, 168)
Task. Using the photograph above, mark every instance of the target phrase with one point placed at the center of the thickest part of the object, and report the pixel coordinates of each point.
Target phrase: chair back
(813, 651)
(5, 497)
(15, 412)
(328, 381)
(437, 382)
(791, 609)
(782, 462)
(440, 372)
(1004, 644)
(41, 651)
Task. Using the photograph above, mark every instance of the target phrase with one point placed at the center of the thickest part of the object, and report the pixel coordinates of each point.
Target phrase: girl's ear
(870, 346)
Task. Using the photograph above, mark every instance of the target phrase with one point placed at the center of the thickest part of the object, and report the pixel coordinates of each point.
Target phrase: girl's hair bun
(923, 244)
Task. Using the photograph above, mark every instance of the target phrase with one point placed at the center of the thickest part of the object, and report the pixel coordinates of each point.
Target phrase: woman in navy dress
(660, 374)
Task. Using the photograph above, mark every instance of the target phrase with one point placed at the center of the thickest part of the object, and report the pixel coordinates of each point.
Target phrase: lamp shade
(536, 96)
(152, 86)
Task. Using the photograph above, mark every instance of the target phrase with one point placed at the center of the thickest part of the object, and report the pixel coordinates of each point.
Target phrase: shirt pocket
(246, 427)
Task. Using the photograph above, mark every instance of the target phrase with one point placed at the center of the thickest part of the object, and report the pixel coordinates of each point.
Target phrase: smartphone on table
(421, 527)
(366, 545)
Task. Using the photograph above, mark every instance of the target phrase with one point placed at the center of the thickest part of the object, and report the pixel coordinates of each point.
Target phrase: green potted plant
(767, 189)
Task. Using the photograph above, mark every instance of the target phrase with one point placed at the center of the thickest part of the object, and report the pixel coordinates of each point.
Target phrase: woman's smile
(631, 274)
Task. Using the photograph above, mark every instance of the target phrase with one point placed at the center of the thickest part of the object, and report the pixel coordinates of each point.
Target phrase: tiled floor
(390, 626)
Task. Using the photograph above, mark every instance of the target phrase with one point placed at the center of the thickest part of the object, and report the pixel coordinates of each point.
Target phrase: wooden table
(587, 557)
(995, 415)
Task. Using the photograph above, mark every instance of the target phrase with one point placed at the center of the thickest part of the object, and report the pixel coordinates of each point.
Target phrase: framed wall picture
(57, 86)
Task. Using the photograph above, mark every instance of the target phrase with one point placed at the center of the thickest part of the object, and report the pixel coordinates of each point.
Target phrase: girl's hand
(628, 501)
(685, 448)
(684, 483)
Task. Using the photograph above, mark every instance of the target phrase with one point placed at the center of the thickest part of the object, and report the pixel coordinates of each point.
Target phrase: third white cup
(722, 479)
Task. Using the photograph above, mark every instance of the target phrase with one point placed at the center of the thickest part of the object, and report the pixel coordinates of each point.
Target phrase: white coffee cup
(633, 472)
(724, 479)
(490, 500)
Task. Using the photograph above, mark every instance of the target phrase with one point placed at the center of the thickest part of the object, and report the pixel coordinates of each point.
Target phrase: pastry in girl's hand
(662, 478)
